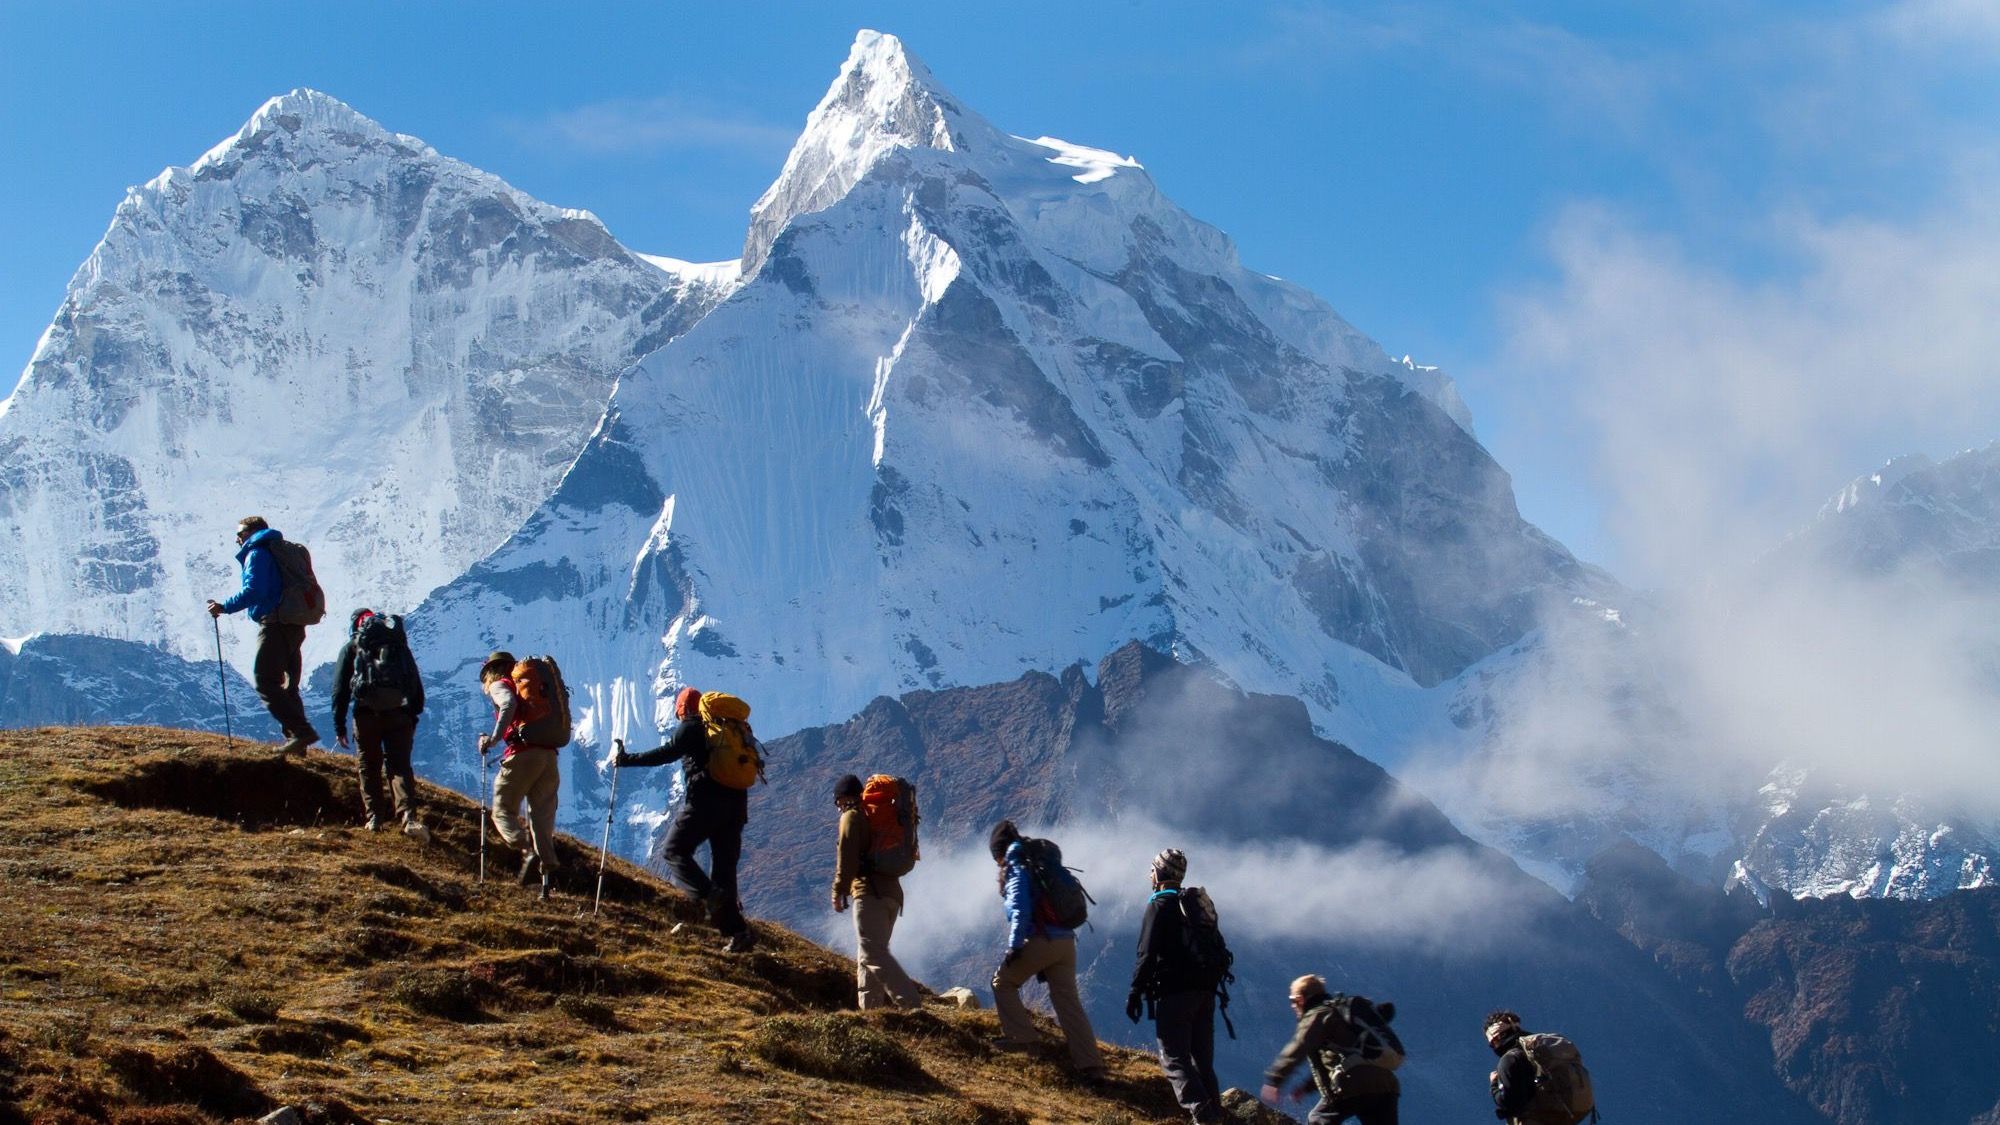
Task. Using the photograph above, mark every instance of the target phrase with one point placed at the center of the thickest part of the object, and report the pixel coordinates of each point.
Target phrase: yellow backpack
(733, 757)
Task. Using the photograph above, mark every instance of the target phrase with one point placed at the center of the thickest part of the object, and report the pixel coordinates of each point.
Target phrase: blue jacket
(262, 585)
(1018, 892)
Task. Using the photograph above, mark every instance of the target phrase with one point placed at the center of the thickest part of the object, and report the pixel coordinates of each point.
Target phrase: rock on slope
(390, 354)
(195, 937)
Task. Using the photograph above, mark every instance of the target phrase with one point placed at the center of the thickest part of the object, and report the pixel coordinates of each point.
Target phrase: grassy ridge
(199, 935)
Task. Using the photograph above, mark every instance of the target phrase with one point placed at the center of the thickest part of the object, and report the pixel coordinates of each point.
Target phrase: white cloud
(634, 125)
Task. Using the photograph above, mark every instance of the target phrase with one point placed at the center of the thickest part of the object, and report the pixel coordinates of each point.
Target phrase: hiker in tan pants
(527, 772)
(877, 900)
(1037, 949)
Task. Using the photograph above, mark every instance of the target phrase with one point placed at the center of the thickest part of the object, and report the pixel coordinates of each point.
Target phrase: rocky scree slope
(197, 935)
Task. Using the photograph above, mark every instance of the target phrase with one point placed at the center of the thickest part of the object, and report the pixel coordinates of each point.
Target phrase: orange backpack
(890, 804)
(541, 703)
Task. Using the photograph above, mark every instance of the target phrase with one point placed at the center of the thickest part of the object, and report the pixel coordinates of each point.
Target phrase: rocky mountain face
(1318, 860)
(1880, 1011)
(391, 355)
(49, 680)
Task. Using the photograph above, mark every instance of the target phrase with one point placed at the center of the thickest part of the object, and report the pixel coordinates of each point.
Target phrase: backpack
(1378, 1044)
(300, 600)
(1561, 1082)
(890, 804)
(1060, 899)
(1201, 937)
(541, 703)
(384, 670)
(733, 752)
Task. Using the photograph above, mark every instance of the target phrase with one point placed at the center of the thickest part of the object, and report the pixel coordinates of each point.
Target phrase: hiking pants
(383, 739)
(275, 670)
(720, 826)
(1185, 1025)
(1055, 960)
(530, 773)
(878, 980)
(1375, 1109)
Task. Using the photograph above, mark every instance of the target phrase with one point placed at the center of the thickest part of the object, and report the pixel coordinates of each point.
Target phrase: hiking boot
(713, 904)
(415, 830)
(295, 746)
(373, 824)
(531, 865)
(740, 943)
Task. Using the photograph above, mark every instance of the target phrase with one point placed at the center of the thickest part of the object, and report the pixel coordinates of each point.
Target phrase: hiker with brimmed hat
(867, 875)
(282, 597)
(719, 763)
(527, 772)
(1346, 1042)
(378, 674)
(1181, 965)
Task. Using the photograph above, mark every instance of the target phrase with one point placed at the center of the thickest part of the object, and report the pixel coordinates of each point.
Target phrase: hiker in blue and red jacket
(1037, 948)
(277, 667)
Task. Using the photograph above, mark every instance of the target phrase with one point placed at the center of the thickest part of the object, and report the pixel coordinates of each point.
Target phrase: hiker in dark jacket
(1329, 1045)
(1521, 1094)
(1180, 992)
(386, 702)
(1037, 948)
(877, 899)
(277, 666)
(711, 813)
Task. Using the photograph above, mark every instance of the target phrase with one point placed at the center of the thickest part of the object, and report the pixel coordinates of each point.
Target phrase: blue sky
(1693, 264)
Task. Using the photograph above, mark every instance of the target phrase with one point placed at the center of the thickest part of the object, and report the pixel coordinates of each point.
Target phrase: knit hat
(1170, 866)
(847, 788)
(686, 702)
(359, 617)
(1004, 835)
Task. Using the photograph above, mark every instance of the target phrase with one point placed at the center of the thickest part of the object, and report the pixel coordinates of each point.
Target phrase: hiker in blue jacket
(277, 667)
(1037, 948)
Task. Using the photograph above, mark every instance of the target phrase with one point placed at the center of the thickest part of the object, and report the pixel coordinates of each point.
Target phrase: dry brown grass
(195, 935)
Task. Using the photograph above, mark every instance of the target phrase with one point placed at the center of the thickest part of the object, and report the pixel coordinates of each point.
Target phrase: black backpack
(1377, 1044)
(385, 672)
(1201, 937)
(1060, 899)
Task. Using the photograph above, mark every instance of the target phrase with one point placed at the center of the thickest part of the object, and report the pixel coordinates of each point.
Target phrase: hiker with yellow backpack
(531, 719)
(720, 760)
(878, 846)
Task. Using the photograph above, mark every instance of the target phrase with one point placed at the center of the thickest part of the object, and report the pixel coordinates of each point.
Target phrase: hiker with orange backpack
(878, 846)
(283, 598)
(531, 720)
(720, 761)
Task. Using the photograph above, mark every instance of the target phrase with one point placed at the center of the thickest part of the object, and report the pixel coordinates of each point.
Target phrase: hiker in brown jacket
(877, 899)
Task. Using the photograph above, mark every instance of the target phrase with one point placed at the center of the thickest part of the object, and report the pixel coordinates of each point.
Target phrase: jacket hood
(262, 538)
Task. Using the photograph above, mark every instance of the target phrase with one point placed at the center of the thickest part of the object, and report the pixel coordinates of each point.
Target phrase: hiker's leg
(1060, 972)
(294, 673)
(510, 788)
(1015, 1026)
(901, 987)
(1175, 1023)
(1379, 1110)
(868, 990)
(267, 670)
(542, 795)
(399, 735)
(725, 850)
(1204, 1050)
(368, 762)
(879, 980)
(688, 832)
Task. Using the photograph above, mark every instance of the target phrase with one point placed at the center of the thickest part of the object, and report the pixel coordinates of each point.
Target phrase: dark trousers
(719, 824)
(382, 741)
(1185, 1025)
(1375, 1109)
(275, 670)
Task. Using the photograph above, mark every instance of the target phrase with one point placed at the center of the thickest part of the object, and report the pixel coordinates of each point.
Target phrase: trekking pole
(483, 818)
(604, 849)
(222, 679)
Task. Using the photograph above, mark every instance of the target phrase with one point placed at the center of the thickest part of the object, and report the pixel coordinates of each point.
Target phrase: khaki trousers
(530, 774)
(879, 981)
(1055, 960)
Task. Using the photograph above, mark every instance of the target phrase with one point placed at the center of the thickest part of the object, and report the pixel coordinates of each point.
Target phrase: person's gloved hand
(1135, 1006)
(1269, 1095)
(621, 759)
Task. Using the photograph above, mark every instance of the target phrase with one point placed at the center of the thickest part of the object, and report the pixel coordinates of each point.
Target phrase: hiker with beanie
(526, 772)
(280, 593)
(1037, 947)
(1541, 1078)
(877, 898)
(1181, 964)
(711, 813)
(378, 674)
(1330, 1043)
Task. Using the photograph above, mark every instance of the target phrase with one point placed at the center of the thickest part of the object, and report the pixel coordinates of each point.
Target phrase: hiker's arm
(343, 675)
(260, 582)
(415, 697)
(1304, 1042)
(1514, 1087)
(1020, 899)
(686, 741)
(1143, 966)
(847, 861)
(502, 695)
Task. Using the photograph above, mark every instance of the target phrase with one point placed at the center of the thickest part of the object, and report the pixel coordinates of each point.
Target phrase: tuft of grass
(844, 1048)
(249, 1006)
(591, 1013)
(444, 993)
